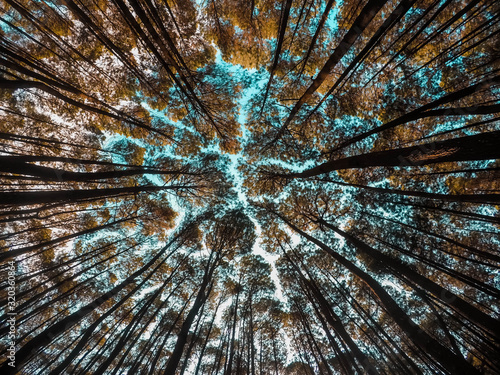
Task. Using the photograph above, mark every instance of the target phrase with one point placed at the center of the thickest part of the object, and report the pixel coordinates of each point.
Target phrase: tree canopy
(250, 187)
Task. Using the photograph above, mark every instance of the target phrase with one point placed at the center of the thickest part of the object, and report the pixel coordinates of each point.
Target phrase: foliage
(250, 187)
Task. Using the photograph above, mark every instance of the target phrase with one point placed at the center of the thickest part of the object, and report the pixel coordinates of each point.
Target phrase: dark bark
(479, 253)
(335, 321)
(390, 22)
(448, 360)
(201, 298)
(233, 332)
(16, 165)
(54, 284)
(23, 250)
(205, 342)
(452, 271)
(73, 196)
(397, 267)
(421, 111)
(475, 147)
(361, 22)
(45, 337)
(126, 335)
(473, 198)
(464, 214)
(167, 335)
(281, 37)
(321, 23)
(394, 55)
(26, 84)
(90, 330)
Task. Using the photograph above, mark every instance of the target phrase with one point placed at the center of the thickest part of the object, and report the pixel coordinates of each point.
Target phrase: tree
(249, 187)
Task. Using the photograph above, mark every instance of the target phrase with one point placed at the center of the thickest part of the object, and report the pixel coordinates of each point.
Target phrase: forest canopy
(250, 187)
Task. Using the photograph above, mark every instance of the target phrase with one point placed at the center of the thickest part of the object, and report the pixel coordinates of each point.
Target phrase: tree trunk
(45, 337)
(357, 28)
(421, 111)
(472, 198)
(25, 198)
(390, 21)
(285, 12)
(448, 360)
(475, 147)
(16, 165)
(233, 332)
(201, 298)
(23, 250)
(475, 315)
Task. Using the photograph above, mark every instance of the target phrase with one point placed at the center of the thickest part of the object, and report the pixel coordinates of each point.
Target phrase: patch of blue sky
(9, 30)
(459, 60)
(200, 3)
(480, 226)
(313, 25)
(253, 83)
(272, 43)
(290, 165)
(350, 126)
(175, 203)
(400, 213)
(161, 115)
(244, 101)
(113, 140)
(271, 259)
(332, 22)
(4, 25)
(495, 90)
(388, 282)
(489, 211)
(480, 164)
(431, 80)
(448, 124)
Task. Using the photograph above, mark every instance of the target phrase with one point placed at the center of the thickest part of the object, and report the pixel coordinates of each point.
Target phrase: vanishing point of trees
(250, 186)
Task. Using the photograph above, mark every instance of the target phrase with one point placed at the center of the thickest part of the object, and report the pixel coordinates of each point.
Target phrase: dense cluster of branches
(250, 187)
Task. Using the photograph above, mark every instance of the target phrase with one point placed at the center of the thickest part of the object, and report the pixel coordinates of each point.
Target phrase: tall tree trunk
(475, 147)
(397, 267)
(23, 250)
(233, 332)
(448, 360)
(357, 28)
(205, 342)
(321, 23)
(285, 12)
(201, 298)
(32, 346)
(390, 22)
(332, 318)
(70, 196)
(472, 198)
(16, 165)
(424, 111)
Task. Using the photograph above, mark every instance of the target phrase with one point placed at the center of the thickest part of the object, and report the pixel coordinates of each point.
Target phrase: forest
(249, 187)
